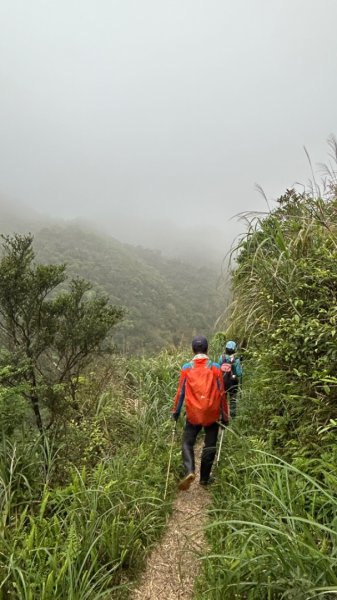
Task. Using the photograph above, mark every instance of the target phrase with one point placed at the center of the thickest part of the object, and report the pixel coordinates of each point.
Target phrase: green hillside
(167, 300)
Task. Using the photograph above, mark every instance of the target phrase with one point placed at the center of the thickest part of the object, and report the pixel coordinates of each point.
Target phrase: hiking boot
(185, 483)
(206, 482)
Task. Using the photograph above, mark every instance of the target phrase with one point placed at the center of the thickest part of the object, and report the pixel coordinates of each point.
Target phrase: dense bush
(272, 530)
(80, 510)
(285, 289)
(47, 336)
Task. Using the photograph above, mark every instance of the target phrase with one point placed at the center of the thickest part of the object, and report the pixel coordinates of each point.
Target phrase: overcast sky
(147, 110)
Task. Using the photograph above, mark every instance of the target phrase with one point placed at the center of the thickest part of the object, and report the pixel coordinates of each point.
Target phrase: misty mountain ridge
(167, 300)
(190, 243)
(203, 244)
(17, 216)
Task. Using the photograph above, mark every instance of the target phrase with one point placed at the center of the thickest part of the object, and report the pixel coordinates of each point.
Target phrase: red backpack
(227, 370)
(202, 395)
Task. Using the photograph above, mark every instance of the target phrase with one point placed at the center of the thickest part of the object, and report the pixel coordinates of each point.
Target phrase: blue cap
(230, 345)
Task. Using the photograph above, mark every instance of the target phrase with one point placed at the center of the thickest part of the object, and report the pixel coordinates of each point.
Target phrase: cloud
(163, 111)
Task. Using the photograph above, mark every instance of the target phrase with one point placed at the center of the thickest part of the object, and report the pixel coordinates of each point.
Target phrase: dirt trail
(172, 566)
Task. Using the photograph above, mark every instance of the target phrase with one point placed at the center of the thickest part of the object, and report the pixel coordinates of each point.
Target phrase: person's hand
(175, 416)
(224, 422)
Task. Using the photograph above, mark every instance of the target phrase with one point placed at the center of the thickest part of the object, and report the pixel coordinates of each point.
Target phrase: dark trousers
(208, 451)
(232, 393)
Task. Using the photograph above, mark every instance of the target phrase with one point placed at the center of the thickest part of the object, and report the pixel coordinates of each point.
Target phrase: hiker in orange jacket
(201, 387)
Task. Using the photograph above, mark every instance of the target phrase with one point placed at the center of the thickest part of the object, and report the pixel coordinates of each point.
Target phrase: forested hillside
(167, 300)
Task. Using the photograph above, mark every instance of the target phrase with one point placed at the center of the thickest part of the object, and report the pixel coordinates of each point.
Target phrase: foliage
(82, 503)
(49, 338)
(272, 533)
(272, 529)
(78, 524)
(285, 308)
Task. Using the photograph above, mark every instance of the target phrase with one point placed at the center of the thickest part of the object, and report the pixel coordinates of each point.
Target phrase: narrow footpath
(173, 565)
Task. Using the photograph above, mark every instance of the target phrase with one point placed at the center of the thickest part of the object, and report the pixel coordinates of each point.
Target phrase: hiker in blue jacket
(230, 365)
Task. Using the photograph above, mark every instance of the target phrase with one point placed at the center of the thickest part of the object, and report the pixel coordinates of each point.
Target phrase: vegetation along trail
(172, 566)
(86, 432)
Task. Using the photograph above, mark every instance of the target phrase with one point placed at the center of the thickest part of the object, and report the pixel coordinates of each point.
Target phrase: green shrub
(272, 530)
(78, 521)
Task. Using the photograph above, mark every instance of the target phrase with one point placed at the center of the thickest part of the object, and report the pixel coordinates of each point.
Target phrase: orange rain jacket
(201, 387)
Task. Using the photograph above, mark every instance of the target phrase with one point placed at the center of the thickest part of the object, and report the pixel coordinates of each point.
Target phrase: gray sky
(134, 111)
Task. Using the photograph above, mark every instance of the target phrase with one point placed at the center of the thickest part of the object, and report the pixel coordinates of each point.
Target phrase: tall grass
(273, 526)
(272, 530)
(82, 531)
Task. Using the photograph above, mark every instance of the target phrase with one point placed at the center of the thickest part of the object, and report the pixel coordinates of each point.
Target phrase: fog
(155, 119)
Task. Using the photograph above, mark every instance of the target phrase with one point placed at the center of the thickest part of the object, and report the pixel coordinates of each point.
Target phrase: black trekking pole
(174, 430)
